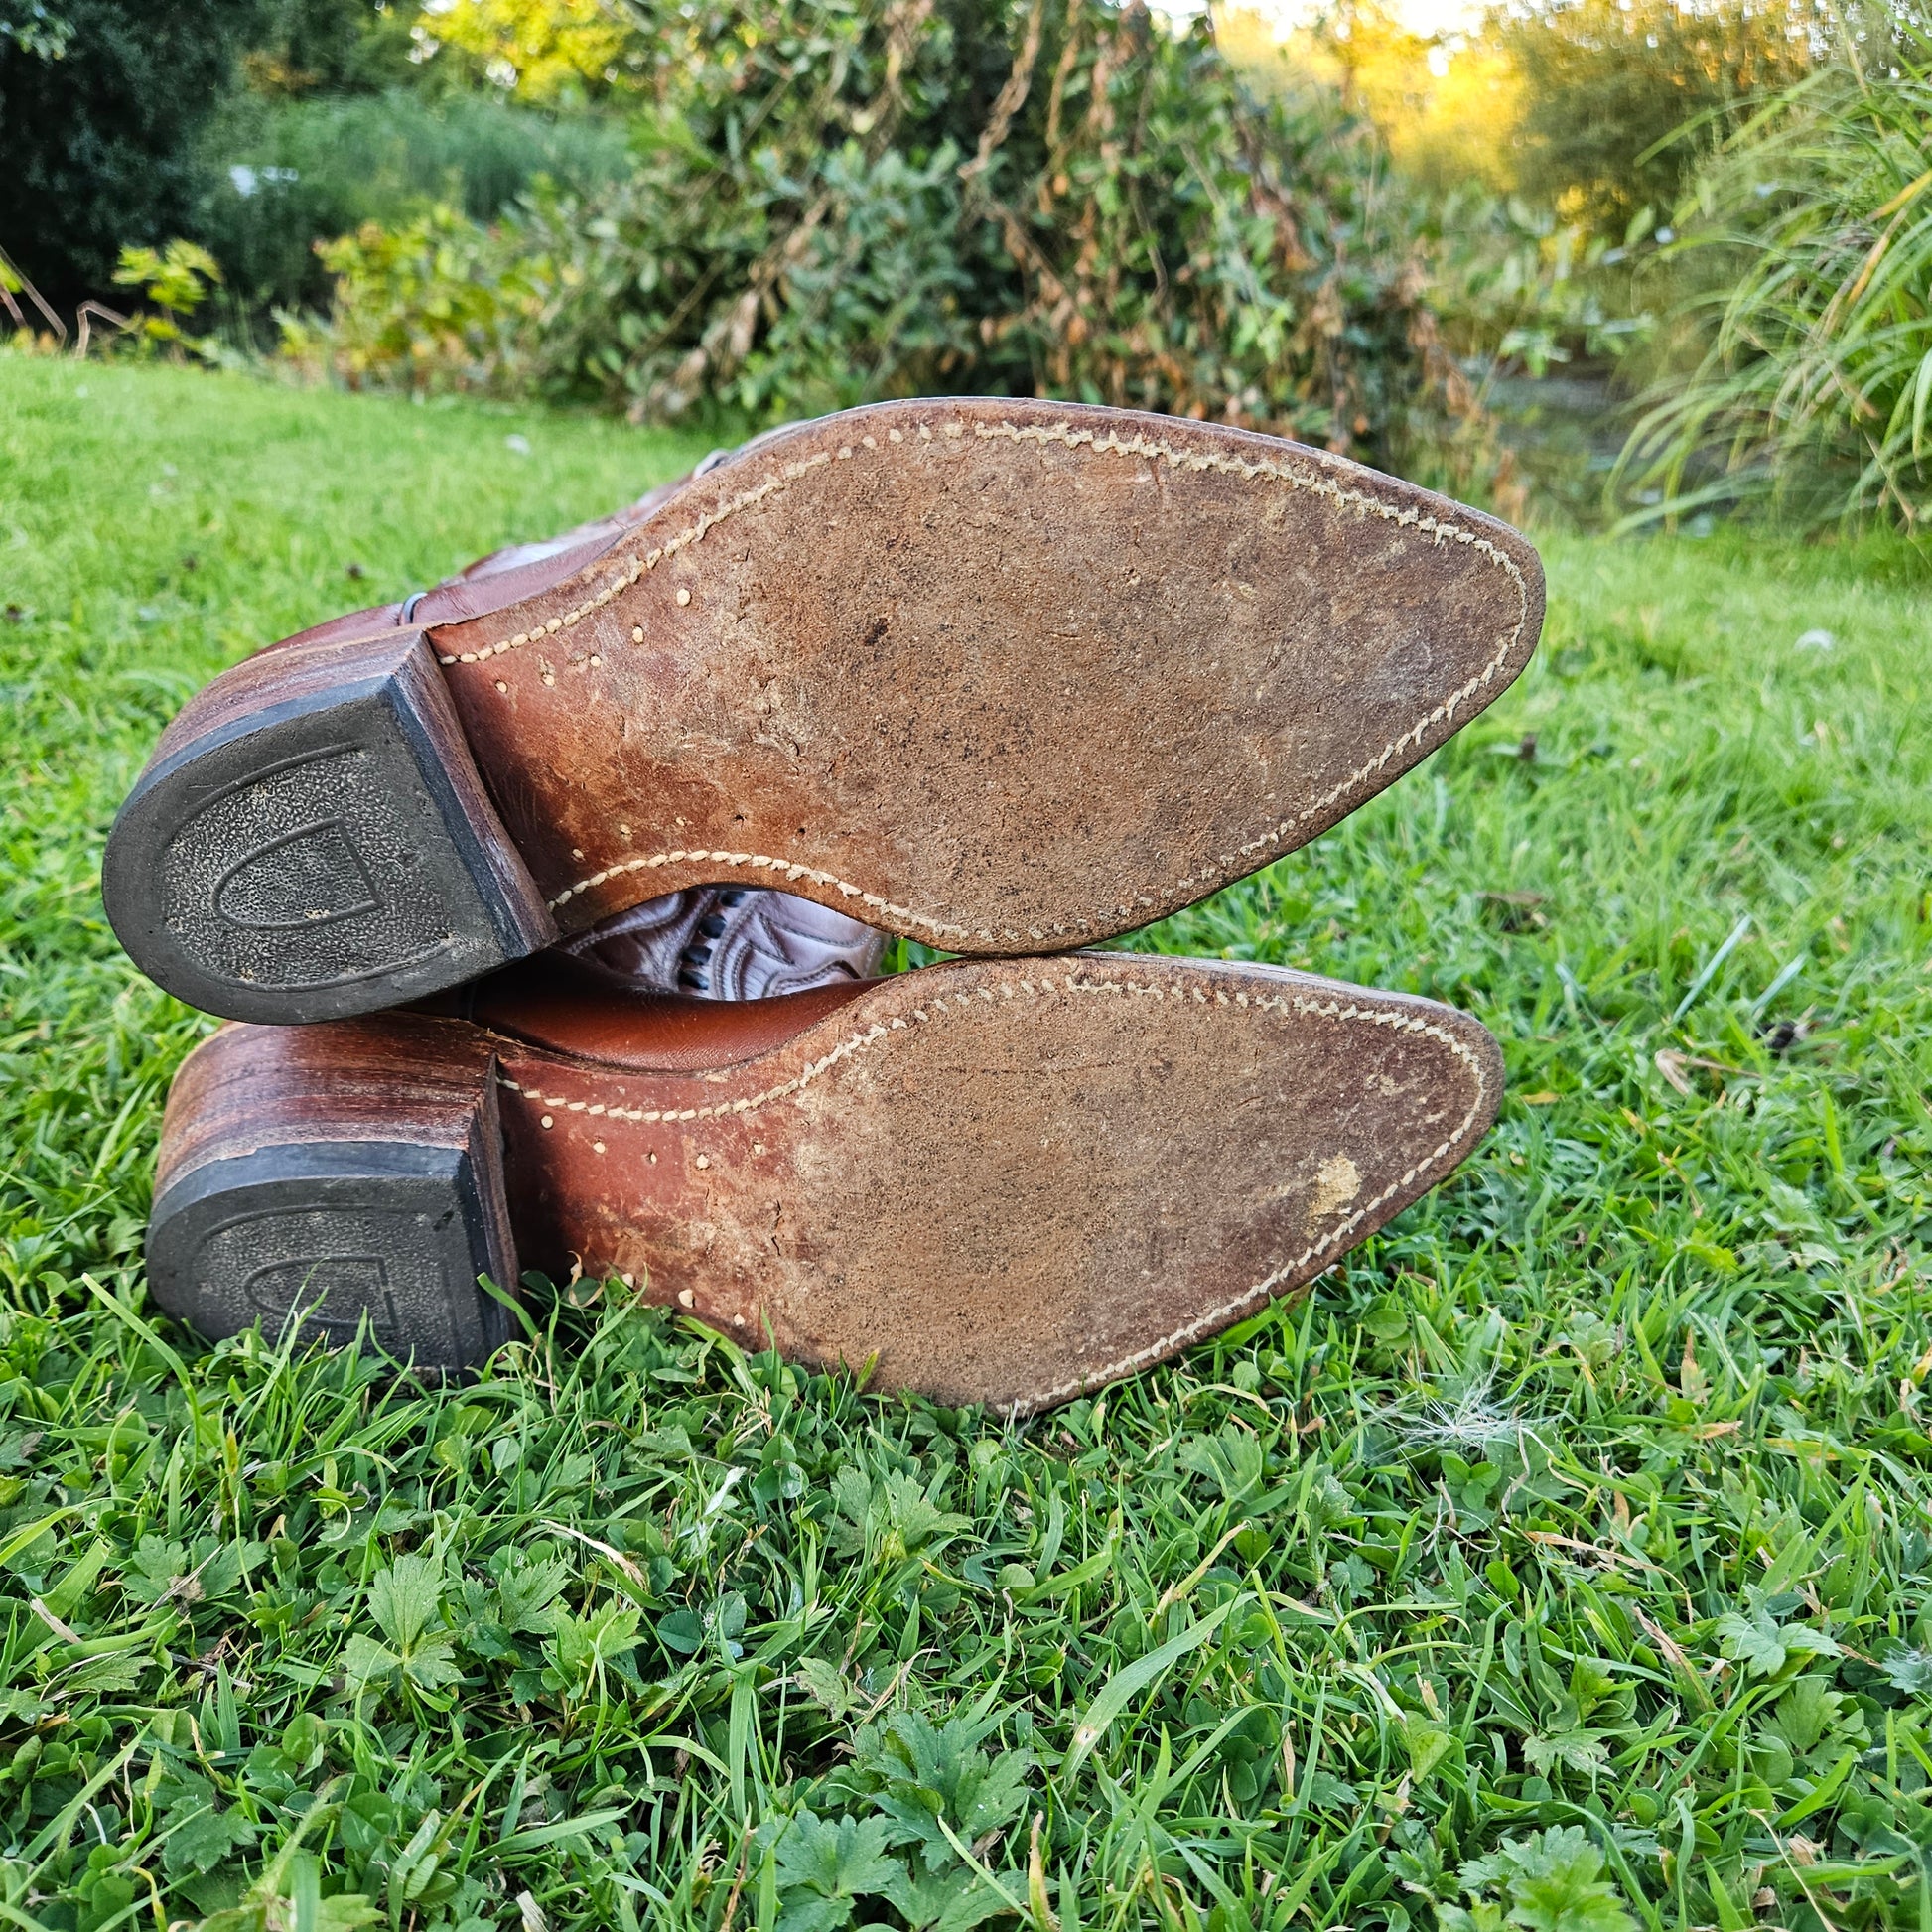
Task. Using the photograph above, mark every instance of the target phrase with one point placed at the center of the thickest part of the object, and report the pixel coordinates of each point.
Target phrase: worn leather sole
(1000, 1182)
(1004, 676)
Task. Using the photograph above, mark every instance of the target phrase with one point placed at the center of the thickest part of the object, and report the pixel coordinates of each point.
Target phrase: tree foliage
(35, 28)
(328, 47)
(1619, 99)
(544, 51)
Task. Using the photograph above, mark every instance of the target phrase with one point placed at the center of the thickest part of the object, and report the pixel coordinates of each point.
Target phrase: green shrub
(280, 175)
(176, 280)
(434, 305)
(100, 103)
(883, 281)
(1518, 291)
(832, 204)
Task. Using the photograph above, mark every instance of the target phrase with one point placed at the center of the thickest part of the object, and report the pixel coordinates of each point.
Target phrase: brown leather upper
(491, 583)
(461, 599)
(552, 1002)
(374, 621)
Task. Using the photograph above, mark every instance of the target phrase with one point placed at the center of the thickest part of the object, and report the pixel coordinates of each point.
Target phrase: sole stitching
(1213, 1318)
(1228, 865)
(794, 871)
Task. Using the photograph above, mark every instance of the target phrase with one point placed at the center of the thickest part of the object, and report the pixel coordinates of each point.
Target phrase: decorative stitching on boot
(631, 568)
(793, 871)
(1336, 1241)
(1228, 865)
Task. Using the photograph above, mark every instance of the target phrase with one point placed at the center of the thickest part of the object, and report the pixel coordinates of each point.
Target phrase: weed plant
(1560, 1561)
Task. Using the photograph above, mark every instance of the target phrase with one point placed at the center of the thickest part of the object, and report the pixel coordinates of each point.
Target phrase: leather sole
(1005, 676)
(994, 1182)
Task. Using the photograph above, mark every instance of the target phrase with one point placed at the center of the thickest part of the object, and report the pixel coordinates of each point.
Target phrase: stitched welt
(939, 1008)
(1306, 477)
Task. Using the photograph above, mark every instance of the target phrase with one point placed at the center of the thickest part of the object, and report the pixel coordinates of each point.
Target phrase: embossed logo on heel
(334, 1292)
(321, 1237)
(311, 877)
(314, 873)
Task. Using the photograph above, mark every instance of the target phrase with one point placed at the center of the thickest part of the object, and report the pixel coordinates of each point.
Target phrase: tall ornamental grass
(1809, 252)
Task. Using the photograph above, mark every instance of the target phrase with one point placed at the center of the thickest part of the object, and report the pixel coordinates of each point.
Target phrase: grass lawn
(1562, 1560)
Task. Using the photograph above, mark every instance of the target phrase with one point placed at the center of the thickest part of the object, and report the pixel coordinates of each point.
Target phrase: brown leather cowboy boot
(1005, 676)
(1002, 1181)
(721, 942)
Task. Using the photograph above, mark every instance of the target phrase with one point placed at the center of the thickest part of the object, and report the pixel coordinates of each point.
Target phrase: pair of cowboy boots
(551, 903)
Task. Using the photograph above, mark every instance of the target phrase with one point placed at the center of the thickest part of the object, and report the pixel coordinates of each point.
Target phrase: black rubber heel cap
(329, 856)
(342, 1232)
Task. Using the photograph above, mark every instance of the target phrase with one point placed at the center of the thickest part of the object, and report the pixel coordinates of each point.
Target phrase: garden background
(1561, 1560)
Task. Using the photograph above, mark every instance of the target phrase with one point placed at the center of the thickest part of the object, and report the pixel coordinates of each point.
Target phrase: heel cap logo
(311, 877)
(334, 1292)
